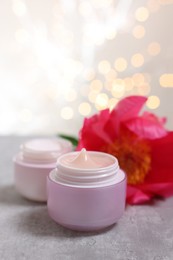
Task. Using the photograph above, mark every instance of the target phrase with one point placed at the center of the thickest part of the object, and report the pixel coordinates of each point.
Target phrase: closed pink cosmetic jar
(86, 191)
(37, 157)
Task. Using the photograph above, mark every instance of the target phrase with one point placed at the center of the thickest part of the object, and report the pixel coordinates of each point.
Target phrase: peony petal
(146, 127)
(92, 135)
(163, 189)
(151, 116)
(90, 140)
(145, 192)
(112, 126)
(80, 146)
(161, 175)
(126, 109)
(99, 127)
(129, 107)
(159, 180)
(162, 159)
(136, 196)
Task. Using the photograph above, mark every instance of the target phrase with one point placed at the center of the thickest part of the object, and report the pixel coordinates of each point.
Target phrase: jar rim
(79, 176)
(119, 177)
(44, 150)
(72, 168)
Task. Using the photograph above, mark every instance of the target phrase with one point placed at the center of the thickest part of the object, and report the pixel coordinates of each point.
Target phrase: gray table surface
(26, 231)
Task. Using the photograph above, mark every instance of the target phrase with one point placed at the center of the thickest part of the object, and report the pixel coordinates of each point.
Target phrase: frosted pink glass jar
(86, 199)
(37, 157)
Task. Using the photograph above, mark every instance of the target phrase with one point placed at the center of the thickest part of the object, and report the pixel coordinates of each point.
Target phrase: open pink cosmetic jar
(37, 157)
(86, 191)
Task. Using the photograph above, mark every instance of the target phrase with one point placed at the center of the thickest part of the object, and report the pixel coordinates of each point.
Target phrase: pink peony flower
(141, 143)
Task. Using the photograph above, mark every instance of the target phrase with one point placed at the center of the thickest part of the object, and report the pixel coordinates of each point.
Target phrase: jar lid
(44, 150)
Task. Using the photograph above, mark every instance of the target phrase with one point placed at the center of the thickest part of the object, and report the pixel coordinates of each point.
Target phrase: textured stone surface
(27, 232)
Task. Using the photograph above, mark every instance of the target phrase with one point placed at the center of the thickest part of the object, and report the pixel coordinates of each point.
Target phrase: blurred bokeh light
(61, 60)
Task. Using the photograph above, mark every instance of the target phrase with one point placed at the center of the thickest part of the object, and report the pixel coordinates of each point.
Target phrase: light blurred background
(63, 60)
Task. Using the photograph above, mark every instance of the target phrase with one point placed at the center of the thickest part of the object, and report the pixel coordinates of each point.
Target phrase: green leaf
(70, 138)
